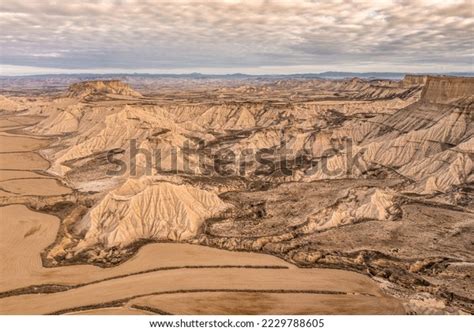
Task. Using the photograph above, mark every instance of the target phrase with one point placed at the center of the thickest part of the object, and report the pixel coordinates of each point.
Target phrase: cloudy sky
(42, 36)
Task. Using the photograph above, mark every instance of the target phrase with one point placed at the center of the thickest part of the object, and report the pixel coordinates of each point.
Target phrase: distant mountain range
(194, 75)
(59, 82)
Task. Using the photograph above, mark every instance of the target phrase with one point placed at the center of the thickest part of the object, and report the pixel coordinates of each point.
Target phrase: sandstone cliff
(411, 80)
(447, 89)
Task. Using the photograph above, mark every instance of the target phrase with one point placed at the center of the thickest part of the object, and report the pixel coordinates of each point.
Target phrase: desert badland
(239, 196)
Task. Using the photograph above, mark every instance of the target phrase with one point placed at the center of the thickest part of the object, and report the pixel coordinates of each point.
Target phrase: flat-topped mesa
(413, 80)
(445, 89)
(101, 87)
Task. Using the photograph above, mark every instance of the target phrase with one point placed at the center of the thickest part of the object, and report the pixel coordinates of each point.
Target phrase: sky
(219, 37)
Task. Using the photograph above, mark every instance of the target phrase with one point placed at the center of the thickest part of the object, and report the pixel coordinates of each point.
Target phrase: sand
(18, 143)
(23, 161)
(6, 175)
(34, 186)
(251, 303)
(100, 294)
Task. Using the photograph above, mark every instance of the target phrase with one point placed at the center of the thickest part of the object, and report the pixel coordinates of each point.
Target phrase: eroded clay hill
(101, 87)
(371, 176)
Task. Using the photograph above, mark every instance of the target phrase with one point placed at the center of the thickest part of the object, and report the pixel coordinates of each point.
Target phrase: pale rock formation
(109, 129)
(357, 206)
(148, 208)
(87, 88)
(10, 104)
(443, 171)
(65, 121)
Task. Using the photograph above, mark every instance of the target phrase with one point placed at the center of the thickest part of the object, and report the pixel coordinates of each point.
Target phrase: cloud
(166, 35)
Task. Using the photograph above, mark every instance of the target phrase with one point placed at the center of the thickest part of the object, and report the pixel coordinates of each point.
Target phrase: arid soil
(278, 197)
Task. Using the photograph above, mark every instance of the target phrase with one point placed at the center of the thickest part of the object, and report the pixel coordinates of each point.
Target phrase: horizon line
(240, 73)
